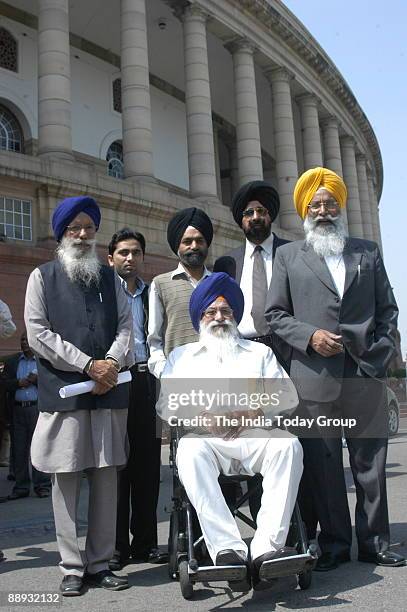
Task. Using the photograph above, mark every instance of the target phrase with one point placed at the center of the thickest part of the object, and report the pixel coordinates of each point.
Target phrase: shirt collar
(140, 286)
(200, 346)
(22, 356)
(267, 245)
(180, 271)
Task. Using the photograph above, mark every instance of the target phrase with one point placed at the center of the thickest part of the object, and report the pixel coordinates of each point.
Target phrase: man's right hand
(23, 383)
(326, 343)
(104, 372)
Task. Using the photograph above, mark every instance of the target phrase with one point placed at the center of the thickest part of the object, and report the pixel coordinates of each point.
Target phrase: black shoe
(281, 553)
(386, 558)
(107, 580)
(2, 557)
(3, 499)
(231, 557)
(328, 561)
(11, 477)
(18, 494)
(43, 492)
(154, 555)
(71, 585)
(117, 562)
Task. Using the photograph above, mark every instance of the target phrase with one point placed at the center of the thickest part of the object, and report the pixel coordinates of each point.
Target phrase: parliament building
(151, 106)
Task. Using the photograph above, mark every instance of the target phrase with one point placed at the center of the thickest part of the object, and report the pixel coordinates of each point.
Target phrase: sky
(367, 42)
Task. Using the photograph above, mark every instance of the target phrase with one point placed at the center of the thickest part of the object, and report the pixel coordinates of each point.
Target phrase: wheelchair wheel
(184, 582)
(305, 579)
(173, 546)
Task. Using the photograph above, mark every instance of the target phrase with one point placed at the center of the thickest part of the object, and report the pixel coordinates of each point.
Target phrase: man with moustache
(189, 235)
(330, 298)
(255, 207)
(138, 488)
(79, 326)
(216, 308)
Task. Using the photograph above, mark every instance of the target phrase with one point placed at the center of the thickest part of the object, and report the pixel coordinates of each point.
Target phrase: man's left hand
(242, 416)
(100, 389)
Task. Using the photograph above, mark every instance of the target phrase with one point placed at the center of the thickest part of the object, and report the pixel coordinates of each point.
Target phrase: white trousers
(276, 456)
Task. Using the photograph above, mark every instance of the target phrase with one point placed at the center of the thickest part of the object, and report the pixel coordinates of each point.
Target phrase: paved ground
(28, 540)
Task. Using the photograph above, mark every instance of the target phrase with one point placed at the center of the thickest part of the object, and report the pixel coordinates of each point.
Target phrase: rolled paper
(87, 386)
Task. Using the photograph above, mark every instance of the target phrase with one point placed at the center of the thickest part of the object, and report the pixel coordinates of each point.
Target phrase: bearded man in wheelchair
(237, 441)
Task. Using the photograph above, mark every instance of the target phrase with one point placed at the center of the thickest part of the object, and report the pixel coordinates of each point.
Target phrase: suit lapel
(318, 266)
(352, 256)
(239, 258)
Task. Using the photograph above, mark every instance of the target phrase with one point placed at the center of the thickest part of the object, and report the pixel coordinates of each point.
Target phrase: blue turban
(213, 286)
(69, 208)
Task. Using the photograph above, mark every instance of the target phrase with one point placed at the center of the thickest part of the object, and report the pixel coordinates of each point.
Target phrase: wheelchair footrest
(211, 573)
(286, 566)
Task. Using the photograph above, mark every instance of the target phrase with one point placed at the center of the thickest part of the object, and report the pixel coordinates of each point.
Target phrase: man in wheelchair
(228, 443)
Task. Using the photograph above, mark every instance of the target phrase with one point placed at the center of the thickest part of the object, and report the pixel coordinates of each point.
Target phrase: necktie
(259, 291)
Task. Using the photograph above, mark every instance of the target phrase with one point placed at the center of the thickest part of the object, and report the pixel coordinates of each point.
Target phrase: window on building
(15, 218)
(117, 95)
(114, 157)
(8, 51)
(11, 134)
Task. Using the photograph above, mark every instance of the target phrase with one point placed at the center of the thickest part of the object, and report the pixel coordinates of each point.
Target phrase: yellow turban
(314, 179)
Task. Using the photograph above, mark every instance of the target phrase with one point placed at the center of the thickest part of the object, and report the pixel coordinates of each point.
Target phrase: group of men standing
(324, 306)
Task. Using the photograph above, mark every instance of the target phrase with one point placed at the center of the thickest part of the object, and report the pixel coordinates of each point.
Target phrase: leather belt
(26, 404)
(141, 367)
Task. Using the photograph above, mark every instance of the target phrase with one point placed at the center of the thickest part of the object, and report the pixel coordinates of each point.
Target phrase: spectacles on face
(75, 230)
(224, 311)
(331, 206)
(249, 212)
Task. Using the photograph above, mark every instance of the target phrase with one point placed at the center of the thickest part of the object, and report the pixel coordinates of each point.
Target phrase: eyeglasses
(212, 312)
(330, 205)
(249, 212)
(76, 229)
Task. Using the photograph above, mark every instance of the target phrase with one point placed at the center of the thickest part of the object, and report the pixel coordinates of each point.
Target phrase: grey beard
(80, 266)
(326, 239)
(221, 344)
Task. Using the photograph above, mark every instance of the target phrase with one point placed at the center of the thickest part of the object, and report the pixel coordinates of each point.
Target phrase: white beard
(326, 239)
(80, 266)
(220, 340)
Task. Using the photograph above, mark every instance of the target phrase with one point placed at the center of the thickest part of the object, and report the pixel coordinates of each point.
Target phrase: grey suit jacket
(303, 298)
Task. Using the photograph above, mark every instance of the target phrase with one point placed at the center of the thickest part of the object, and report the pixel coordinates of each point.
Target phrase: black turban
(184, 218)
(255, 190)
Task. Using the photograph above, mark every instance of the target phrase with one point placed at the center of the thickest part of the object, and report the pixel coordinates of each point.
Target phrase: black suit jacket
(232, 264)
(303, 298)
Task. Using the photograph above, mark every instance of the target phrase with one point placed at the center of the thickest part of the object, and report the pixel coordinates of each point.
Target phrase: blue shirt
(136, 305)
(24, 368)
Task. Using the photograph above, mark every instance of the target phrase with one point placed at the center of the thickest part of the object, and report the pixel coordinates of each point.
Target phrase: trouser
(278, 459)
(139, 482)
(100, 536)
(24, 422)
(323, 495)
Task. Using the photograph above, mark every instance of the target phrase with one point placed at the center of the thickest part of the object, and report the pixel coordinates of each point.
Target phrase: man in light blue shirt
(21, 382)
(138, 485)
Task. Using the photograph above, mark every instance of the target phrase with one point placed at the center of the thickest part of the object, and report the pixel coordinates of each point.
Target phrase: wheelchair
(189, 560)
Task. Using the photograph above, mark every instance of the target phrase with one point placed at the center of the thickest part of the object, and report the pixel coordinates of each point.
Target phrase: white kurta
(276, 454)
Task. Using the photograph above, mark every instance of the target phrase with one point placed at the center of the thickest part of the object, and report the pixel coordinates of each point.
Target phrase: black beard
(258, 233)
(193, 259)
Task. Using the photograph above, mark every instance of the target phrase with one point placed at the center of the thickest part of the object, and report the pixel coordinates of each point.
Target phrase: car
(394, 412)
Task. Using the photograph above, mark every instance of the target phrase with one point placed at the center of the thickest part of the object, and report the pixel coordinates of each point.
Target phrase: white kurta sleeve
(155, 338)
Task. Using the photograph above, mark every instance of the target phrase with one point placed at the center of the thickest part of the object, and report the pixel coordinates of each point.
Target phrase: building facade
(151, 106)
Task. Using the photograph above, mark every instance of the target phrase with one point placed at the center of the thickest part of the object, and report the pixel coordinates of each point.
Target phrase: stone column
(247, 117)
(136, 104)
(54, 80)
(365, 207)
(374, 211)
(201, 153)
(284, 146)
(332, 146)
(311, 136)
(350, 177)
